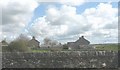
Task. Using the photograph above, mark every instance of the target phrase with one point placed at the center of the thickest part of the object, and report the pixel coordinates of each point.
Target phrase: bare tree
(47, 41)
(22, 37)
(50, 43)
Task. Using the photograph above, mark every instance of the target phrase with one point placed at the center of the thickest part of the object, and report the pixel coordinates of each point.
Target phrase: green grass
(99, 47)
(107, 47)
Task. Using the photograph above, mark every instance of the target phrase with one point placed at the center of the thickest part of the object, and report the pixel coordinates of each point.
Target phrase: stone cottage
(80, 43)
(33, 43)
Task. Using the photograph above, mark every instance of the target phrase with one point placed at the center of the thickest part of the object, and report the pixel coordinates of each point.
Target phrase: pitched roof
(33, 39)
(82, 41)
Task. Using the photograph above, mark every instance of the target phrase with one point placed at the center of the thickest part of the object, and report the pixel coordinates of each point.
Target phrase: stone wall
(57, 59)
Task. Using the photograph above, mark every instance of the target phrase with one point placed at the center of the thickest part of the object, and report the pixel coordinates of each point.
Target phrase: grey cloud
(66, 38)
(15, 15)
(10, 28)
(111, 26)
(97, 34)
(10, 12)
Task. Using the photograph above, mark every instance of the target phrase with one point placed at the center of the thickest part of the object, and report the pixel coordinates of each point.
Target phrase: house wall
(80, 43)
(34, 44)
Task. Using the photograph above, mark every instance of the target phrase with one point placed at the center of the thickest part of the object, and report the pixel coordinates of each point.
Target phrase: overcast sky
(62, 20)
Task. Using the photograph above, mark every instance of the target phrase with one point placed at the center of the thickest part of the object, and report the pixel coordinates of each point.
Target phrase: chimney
(82, 36)
(33, 37)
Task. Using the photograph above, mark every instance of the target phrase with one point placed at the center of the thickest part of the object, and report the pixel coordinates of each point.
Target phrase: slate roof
(82, 41)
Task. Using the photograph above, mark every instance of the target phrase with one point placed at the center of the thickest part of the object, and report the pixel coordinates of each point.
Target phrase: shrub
(18, 45)
(6, 49)
(65, 46)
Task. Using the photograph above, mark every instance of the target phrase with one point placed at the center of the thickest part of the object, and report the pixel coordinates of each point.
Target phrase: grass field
(99, 47)
(107, 47)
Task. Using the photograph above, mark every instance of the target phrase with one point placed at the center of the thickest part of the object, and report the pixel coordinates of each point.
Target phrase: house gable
(79, 43)
(34, 43)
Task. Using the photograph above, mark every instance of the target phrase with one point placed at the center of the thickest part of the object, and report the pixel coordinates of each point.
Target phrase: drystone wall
(57, 59)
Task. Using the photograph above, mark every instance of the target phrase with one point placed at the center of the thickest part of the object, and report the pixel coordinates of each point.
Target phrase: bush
(65, 46)
(18, 45)
(6, 49)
